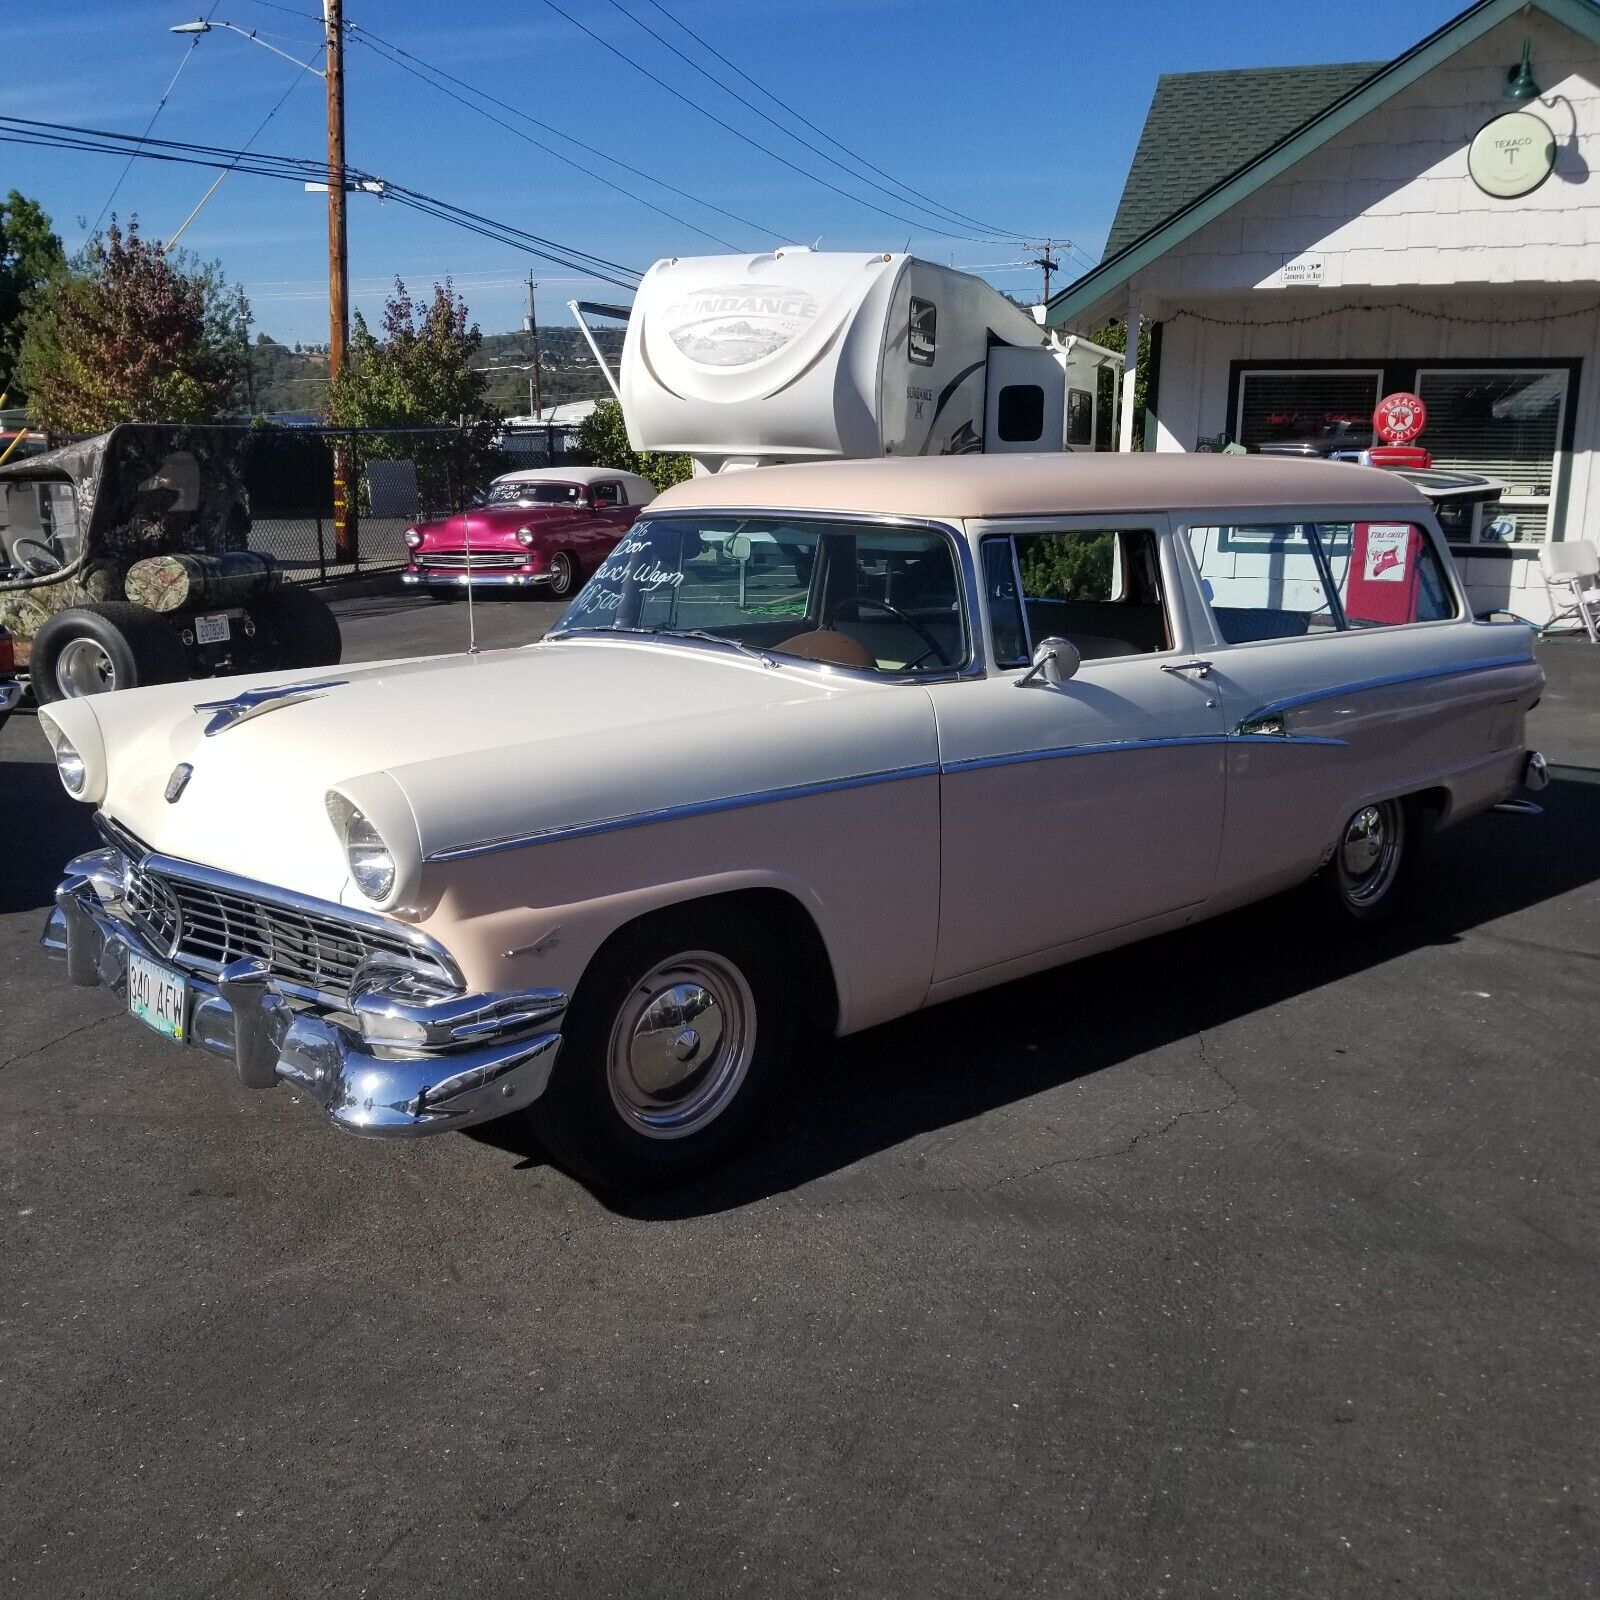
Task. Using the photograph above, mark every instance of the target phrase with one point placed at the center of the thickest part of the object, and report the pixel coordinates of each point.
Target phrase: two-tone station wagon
(817, 744)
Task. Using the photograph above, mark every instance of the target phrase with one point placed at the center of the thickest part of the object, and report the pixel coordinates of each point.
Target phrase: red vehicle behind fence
(548, 527)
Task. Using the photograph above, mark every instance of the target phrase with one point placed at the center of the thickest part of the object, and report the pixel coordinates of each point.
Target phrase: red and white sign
(1400, 417)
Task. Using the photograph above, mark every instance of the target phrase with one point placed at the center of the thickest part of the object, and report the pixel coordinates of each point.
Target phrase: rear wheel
(300, 629)
(677, 1035)
(1366, 877)
(90, 650)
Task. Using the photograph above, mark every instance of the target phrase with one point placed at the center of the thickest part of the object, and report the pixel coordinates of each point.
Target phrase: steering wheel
(36, 559)
(934, 647)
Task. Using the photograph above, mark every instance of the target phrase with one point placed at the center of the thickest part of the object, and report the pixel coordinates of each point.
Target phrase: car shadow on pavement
(851, 1098)
(40, 830)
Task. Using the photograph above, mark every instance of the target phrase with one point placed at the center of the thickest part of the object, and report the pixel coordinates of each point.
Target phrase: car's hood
(493, 527)
(452, 751)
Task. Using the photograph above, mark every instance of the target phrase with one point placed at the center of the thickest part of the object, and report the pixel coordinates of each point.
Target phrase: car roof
(571, 475)
(1045, 485)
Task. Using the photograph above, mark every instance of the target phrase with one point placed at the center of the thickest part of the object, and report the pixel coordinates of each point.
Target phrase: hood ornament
(257, 702)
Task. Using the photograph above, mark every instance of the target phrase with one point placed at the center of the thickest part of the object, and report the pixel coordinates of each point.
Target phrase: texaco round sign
(1512, 155)
(1399, 418)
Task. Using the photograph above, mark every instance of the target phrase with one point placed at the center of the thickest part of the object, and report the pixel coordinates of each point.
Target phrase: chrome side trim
(1365, 685)
(1017, 758)
(693, 808)
(271, 894)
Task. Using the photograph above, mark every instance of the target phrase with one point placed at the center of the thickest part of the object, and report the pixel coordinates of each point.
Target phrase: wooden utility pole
(536, 392)
(345, 531)
(1047, 263)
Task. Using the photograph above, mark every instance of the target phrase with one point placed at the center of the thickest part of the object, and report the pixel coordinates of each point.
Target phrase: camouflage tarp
(142, 489)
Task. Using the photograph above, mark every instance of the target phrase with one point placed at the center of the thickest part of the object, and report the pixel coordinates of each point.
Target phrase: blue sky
(1022, 114)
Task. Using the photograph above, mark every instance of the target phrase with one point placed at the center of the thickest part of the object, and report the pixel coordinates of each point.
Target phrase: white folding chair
(1571, 572)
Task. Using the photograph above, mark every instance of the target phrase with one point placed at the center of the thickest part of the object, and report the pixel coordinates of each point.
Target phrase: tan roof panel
(1042, 485)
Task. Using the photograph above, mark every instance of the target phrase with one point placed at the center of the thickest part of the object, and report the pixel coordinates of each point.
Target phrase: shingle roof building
(1204, 125)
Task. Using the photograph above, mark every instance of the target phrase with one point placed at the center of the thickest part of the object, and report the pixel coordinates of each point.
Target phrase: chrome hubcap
(681, 1045)
(560, 574)
(1369, 853)
(84, 667)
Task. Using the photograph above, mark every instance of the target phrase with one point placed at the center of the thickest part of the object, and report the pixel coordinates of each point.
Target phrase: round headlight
(413, 537)
(524, 536)
(371, 864)
(70, 765)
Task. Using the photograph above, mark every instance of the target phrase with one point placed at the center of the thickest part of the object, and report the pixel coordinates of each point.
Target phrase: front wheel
(1365, 879)
(678, 1033)
(96, 649)
(563, 575)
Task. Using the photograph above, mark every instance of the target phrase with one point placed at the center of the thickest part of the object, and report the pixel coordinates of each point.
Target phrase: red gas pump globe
(1400, 417)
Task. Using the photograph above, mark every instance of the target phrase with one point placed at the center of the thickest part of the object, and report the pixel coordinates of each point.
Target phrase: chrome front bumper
(400, 1062)
(477, 580)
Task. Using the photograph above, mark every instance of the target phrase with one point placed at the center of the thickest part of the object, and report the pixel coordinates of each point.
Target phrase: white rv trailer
(798, 355)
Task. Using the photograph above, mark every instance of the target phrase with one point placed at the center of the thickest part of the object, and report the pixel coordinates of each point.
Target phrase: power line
(942, 212)
(756, 144)
(429, 74)
(64, 136)
(166, 94)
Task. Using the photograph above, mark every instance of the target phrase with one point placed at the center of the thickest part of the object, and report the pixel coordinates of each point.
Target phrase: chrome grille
(487, 562)
(206, 926)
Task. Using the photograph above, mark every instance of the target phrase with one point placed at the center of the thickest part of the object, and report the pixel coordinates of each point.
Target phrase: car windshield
(534, 494)
(849, 594)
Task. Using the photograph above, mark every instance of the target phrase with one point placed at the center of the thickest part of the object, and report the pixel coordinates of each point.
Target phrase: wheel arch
(779, 909)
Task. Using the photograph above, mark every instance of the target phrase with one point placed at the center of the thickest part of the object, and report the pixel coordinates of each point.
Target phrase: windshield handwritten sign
(632, 572)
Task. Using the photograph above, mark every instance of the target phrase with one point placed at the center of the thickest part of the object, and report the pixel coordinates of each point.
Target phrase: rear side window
(1280, 580)
(608, 494)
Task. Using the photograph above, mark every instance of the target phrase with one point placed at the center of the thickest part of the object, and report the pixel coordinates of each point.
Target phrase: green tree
(603, 442)
(30, 256)
(130, 334)
(1114, 336)
(419, 373)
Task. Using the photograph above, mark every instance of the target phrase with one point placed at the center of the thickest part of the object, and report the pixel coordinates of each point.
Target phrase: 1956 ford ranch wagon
(766, 778)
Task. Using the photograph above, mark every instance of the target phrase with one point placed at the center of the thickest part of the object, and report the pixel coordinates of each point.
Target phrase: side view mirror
(1054, 661)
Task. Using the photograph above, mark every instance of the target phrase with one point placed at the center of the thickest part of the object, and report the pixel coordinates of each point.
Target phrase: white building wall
(1389, 201)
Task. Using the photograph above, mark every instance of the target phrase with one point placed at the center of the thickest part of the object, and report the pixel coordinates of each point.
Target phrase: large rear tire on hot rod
(675, 1041)
(299, 629)
(95, 649)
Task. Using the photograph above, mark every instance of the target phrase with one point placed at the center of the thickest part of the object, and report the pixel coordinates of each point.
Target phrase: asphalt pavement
(1240, 1262)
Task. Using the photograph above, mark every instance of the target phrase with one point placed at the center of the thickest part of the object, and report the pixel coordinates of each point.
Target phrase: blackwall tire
(301, 629)
(1374, 857)
(676, 1039)
(97, 649)
(563, 575)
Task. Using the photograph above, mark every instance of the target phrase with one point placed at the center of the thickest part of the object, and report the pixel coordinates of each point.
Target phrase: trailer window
(1020, 414)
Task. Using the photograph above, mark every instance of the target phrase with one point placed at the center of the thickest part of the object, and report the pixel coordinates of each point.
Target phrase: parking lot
(1239, 1262)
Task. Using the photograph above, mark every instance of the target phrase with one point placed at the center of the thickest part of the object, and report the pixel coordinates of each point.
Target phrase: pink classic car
(547, 526)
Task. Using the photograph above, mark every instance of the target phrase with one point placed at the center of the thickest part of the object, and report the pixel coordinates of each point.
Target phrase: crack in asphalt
(60, 1038)
(1140, 1137)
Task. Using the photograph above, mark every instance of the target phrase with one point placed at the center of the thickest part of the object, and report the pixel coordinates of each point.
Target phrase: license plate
(213, 630)
(158, 997)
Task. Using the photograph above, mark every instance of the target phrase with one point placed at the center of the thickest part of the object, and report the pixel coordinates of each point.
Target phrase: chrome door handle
(1200, 669)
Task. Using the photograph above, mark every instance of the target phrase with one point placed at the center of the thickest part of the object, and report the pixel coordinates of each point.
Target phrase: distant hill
(295, 379)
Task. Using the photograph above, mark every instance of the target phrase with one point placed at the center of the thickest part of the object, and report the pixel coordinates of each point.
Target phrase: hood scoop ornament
(257, 702)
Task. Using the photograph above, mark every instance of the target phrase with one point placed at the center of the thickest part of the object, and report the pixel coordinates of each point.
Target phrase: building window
(1307, 412)
(1505, 423)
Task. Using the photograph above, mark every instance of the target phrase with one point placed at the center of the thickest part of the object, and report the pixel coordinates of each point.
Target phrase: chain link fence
(295, 480)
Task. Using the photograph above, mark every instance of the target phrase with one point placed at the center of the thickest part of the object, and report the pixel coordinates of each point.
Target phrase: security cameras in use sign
(1400, 417)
